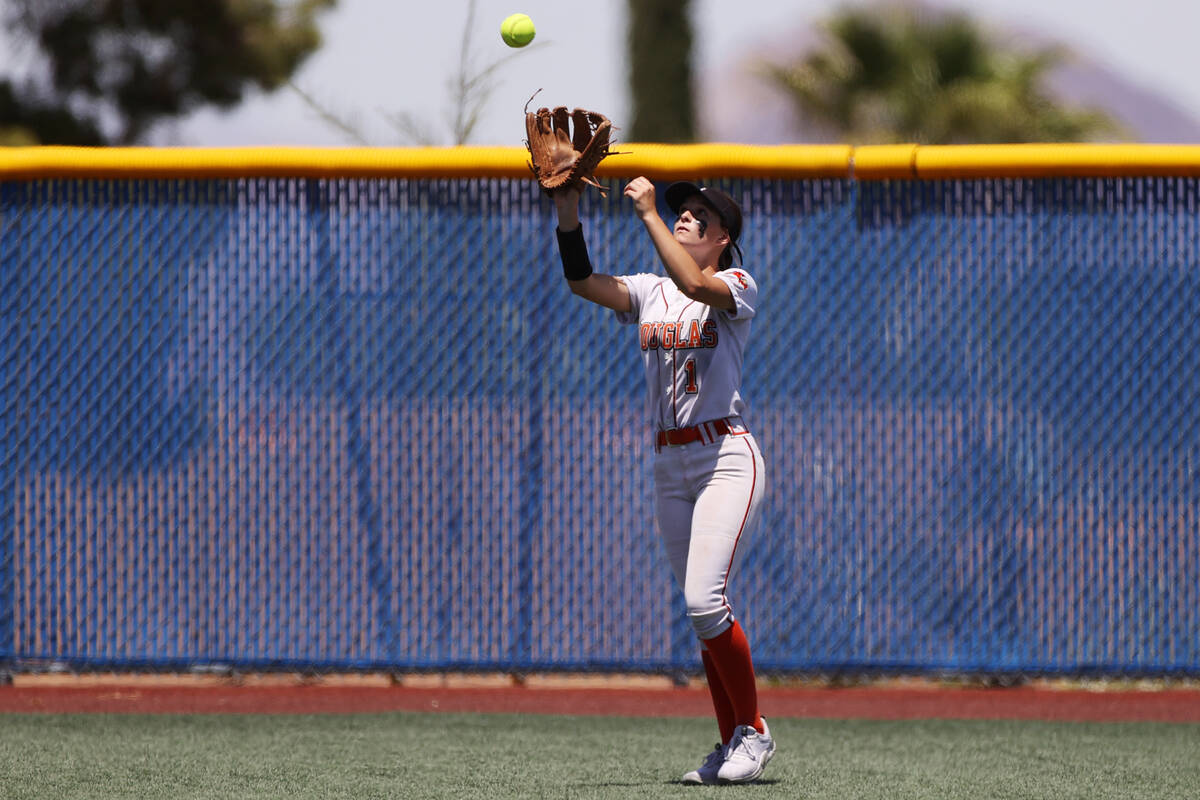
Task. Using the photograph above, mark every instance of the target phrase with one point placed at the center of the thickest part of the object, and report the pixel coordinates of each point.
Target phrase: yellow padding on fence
(879, 162)
(936, 162)
(1057, 160)
(673, 162)
(657, 161)
(151, 162)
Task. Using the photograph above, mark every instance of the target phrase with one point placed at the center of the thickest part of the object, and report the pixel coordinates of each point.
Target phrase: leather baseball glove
(565, 148)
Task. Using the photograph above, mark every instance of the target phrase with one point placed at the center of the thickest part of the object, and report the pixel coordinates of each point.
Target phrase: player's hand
(641, 191)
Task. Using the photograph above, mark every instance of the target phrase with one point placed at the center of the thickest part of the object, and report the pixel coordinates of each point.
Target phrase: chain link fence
(351, 424)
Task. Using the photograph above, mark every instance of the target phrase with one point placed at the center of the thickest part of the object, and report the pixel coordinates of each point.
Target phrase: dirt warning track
(870, 702)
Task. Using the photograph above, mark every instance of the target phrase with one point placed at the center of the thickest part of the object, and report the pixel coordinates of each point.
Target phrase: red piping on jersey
(658, 362)
(741, 528)
(675, 370)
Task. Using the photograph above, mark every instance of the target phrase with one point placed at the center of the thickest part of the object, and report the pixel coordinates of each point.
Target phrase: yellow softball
(517, 30)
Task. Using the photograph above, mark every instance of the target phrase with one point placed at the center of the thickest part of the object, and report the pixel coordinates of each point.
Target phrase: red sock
(731, 656)
(720, 698)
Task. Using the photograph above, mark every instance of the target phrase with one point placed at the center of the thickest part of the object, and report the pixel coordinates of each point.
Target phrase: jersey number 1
(689, 372)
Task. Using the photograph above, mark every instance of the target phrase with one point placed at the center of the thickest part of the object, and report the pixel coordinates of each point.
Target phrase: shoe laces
(741, 743)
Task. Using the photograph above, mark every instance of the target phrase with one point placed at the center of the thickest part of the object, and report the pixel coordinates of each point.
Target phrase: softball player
(708, 470)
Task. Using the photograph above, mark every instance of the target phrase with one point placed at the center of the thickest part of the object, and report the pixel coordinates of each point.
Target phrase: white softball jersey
(692, 352)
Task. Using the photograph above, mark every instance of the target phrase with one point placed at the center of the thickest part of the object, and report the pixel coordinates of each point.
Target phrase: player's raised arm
(692, 250)
(601, 289)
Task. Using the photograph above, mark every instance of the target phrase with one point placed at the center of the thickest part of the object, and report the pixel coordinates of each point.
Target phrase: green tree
(660, 71)
(106, 71)
(893, 74)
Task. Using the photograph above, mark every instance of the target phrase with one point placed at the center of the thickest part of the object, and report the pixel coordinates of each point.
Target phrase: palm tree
(660, 71)
(895, 74)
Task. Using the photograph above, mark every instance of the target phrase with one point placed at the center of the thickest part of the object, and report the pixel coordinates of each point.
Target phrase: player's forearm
(566, 205)
(680, 266)
(572, 248)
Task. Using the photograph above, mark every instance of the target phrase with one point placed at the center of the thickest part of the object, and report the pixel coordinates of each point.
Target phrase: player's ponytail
(726, 259)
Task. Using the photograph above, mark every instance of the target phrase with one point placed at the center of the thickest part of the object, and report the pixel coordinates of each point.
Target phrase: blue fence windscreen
(356, 424)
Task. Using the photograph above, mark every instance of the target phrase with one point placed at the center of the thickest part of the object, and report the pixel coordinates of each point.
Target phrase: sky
(383, 58)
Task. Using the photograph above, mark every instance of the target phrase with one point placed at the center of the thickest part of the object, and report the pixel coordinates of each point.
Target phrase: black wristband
(573, 249)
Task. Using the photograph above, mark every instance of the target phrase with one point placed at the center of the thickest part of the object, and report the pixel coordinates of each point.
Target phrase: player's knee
(710, 622)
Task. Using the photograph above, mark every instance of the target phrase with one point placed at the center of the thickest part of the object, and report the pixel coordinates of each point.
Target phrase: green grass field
(460, 756)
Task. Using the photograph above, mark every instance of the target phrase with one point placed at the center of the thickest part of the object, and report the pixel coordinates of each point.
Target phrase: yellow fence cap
(680, 161)
(883, 161)
(236, 162)
(656, 161)
(1057, 160)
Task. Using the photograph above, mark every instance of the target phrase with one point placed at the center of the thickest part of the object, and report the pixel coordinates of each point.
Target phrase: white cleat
(747, 756)
(706, 773)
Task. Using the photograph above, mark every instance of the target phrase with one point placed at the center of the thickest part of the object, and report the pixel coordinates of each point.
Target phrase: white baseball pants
(707, 498)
